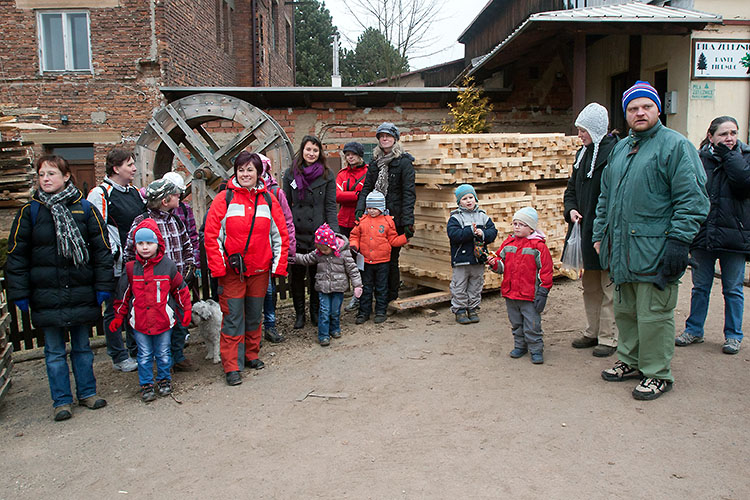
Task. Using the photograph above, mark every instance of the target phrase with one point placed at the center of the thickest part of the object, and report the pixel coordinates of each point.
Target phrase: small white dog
(207, 317)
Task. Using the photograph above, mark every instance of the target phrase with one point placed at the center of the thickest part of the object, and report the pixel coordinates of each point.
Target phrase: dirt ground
(431, 410)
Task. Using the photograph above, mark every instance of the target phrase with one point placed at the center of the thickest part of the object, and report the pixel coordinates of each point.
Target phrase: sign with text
(702, 90)
(721, 59)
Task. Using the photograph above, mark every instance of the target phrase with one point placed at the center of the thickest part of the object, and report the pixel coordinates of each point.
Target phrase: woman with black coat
(310, 189)
(725, 235)
(60, 268)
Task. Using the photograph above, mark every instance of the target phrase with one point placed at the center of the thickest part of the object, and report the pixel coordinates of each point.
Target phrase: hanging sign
(714, 59)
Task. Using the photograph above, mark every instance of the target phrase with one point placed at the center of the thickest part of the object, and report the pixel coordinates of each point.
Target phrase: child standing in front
(527, 264)
(144, 290)
(373, 237)
(470, 229)
(335, 268)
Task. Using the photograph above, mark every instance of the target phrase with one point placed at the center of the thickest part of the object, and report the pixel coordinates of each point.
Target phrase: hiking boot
(537, 358)
(352, 305)
(185, 366)
(651, 388)
(324, 341)
(92, 402)
(234, 378)
(255, 364)
(462, 318)
(731, 346)
(686, 339)
(314, 317)
(272, 335)
(380, 318)
(620, 372)
(473, 316)
(299, 321)
(336, 335)
(518, 352)
(584, 342)
(62, 412)
(126, 365)
(361, 319)
(147, 393)
(164, 387)
(603, 351)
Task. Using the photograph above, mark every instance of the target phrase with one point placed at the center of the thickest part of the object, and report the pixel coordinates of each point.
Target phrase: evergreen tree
(702, 62)
(373, 58)
(313, 38)
(745, 62)
(470, 111)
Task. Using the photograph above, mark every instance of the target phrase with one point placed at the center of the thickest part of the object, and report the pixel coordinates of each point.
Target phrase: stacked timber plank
(509, 171)
(6, 348)
(16, 173)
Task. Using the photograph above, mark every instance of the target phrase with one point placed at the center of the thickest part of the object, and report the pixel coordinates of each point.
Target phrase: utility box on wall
(670, 102)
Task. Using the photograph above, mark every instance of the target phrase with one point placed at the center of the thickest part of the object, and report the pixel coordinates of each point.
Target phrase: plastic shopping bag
(572, 259)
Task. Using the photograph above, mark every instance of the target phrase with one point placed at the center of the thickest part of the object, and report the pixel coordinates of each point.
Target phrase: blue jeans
(81, 359)
(732, 275)
(329, 314)
(115, 347)
(269, 305)
(152, 347)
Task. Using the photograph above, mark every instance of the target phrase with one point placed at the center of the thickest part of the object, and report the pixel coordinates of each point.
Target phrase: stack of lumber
(16, 173)
(6, 348)
(508, 171)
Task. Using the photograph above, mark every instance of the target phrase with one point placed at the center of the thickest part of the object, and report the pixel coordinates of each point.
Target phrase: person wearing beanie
(184, 212)
(580, 198)
(392, 173)
(153, 318)
(652, 202)
(162, 198)
(527, 266)
(374, 237)
(349, 184)
(470, 230)
(335, 269)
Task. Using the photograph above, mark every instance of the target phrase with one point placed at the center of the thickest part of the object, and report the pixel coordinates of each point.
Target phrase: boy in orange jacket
(373, 237)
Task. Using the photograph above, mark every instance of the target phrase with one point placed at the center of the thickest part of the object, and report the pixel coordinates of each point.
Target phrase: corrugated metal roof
(627, 12)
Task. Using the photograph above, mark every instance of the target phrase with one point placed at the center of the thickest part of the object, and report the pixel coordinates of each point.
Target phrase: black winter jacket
(401, 190)
(727, 226)
(60, 294)
(582, 194)
(318, 206)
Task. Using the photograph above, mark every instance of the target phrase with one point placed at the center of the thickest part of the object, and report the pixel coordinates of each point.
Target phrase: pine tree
(745, 61)
(372, 59)
(702, 63)
(470, 111)
(313, 38)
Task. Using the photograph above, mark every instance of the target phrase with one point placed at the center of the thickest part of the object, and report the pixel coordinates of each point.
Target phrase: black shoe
(325, 341)
(272, 335)
(584, 342)
(234, 378)
(361, 319)
(602, 351)
(62, 413)
(147, 393)
(163, 388)
(473, 316)
(299, 322)
(380, 318)
(255, 364)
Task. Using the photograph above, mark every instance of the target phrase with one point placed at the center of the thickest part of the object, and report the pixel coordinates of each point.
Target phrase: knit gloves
(673, 263)
(540, 299)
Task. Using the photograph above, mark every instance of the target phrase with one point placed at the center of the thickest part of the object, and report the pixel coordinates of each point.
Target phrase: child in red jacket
(527, 264)
(373, 237)
(144, 290)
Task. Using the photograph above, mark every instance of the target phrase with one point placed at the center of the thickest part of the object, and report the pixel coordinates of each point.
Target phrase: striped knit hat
(595, 120)
(640, 89)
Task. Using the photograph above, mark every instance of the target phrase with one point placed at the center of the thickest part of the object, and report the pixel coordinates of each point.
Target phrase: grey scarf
(70, 243)
(382, 160)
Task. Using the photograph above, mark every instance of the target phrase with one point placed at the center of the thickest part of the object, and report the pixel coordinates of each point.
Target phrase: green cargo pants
(645, 320)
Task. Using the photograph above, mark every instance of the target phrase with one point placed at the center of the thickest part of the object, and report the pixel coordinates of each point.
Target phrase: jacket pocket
(645, 246)
(604, 251)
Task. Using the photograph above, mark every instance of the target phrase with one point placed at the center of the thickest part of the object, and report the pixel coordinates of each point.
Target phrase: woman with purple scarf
(310, 189)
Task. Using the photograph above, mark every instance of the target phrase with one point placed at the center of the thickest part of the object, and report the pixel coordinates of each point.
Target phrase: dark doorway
(81, 160)
(618, 85)
(660, 84)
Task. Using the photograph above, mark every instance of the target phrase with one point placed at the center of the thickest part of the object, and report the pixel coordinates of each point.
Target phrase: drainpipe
(255, 43)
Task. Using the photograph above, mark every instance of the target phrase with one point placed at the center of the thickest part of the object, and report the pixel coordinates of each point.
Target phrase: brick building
(93, 68)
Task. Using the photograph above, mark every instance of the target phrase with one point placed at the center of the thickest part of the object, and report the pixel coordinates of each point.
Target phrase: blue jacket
(461, 234)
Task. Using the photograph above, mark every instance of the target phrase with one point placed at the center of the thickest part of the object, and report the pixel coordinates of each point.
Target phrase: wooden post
(199, 199)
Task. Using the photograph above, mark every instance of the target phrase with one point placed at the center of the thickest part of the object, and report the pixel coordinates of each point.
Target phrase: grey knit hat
(161, 189)
(375, 200)
(388, 128)
(594, 118)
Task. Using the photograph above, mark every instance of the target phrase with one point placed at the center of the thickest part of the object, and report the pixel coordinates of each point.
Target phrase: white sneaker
(126, 365)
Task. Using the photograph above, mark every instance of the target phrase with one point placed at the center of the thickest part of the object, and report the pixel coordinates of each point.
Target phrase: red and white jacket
(228, 226)
(349, 183)
(145, 289)
(528, 265)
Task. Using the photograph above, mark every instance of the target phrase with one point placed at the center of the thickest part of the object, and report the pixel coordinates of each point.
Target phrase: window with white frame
(64, 43)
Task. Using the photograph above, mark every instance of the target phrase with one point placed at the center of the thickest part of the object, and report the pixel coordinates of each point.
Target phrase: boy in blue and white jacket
(470, 229)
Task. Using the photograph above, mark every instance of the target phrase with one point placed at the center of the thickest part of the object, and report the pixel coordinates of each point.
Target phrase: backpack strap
(34, 209)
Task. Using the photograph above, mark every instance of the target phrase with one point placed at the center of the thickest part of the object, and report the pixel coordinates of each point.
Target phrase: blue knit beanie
(528, 216)
(465, 189)
(640, 89)
(375, 200)
(145, 234)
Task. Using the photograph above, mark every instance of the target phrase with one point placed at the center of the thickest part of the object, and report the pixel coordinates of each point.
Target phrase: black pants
(374, 281)
(394, 278)
(297, 275)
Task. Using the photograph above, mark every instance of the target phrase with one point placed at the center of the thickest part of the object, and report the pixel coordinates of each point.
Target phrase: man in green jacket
(653, 200)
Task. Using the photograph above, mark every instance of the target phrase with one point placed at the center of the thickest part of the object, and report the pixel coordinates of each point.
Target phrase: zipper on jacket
(158, 291)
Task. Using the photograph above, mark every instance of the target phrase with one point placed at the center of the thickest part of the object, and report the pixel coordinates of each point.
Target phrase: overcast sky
(455, 17)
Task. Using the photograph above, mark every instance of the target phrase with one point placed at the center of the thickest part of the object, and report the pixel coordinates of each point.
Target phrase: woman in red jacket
(245, 239)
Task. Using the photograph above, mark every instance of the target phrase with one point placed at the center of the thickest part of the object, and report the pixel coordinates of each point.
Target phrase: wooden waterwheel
(177, 132)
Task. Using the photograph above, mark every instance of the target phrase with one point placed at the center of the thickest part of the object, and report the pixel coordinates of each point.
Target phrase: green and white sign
(702, 90)
(714, 59)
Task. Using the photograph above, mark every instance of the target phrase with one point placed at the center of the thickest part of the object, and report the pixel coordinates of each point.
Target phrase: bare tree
(404, 23)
